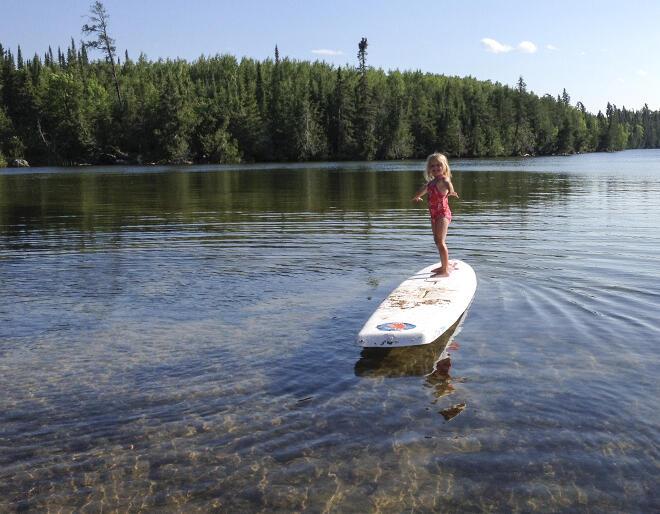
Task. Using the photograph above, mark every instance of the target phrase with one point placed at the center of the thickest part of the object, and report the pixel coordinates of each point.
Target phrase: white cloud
(527, 46)
(325, 51)
(493, 46)
(490, 45)
(552, 47)
(642, 73)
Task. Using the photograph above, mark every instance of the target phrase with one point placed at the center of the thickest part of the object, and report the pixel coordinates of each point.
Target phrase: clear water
(183, 339)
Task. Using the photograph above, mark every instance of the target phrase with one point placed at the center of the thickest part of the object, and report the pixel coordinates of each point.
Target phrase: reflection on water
(180, 339)
(432, 361)
(405, 360)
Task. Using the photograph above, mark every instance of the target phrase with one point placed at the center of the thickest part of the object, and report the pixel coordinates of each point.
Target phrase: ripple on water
(157, 355)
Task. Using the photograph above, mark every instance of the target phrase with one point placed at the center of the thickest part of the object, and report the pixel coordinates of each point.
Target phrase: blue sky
(599, 51)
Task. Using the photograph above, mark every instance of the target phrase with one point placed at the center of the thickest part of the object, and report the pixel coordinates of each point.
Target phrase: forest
(66, 108)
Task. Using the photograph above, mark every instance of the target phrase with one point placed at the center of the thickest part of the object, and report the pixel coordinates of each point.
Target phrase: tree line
(67, 108)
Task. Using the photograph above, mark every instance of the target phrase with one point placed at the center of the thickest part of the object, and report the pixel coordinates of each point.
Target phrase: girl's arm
(420, 193)
(450, 189)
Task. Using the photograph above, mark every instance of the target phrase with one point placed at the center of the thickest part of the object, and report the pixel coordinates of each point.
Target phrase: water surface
(183, 338)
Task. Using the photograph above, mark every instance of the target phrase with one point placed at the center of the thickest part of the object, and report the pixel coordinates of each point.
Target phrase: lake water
(183, 339)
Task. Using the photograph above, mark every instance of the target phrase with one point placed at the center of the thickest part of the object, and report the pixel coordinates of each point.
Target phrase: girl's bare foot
(443, 272)
(439, 272)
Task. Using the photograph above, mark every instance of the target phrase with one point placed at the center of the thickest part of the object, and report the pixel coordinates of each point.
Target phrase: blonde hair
(442, 159)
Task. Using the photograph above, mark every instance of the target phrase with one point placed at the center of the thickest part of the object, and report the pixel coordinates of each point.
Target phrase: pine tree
(393, 132)
(340, 127)
(213, 110)
(364, 122)
(276, 112)
(99, 17)
(173, 118)
(565, 136)
(261, 101)
(524, 141)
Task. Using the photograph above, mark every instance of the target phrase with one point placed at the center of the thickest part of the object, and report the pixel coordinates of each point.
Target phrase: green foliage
(6, 132)
(66, 110)
(219, 147)
(62, 121)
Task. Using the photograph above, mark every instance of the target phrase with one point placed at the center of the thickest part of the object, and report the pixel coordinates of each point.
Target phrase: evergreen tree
(173, 118)
(580, 132)
(649, 128)
(422, 116)
(67, 110)
(364, 122)
(565, 137)
(246, 125)
(395, 135)
(310, 139)
(99, 28)
(277, 112)
(340, 127)
(261, 102)
(524, 141)
(22, 108)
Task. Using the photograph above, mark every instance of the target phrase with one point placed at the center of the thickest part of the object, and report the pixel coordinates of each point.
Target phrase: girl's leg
(440, 227)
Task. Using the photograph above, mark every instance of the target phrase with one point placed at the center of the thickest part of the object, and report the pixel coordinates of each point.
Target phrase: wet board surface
(421, 308)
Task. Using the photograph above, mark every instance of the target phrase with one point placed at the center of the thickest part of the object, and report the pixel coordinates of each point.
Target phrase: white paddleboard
(421, 309)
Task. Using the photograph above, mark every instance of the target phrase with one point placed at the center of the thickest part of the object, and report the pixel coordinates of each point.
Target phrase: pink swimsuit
(438, 202)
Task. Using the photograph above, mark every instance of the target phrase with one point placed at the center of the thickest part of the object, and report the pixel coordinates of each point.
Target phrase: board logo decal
(394, 326)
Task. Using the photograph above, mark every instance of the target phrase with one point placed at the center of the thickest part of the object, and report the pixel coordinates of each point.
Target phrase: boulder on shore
(19, 163)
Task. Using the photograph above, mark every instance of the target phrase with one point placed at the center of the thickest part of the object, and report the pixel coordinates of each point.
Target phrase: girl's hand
(417, 198)
(453, 193)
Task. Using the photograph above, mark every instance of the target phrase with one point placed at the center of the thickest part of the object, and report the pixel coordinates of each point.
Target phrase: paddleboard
(421, 308)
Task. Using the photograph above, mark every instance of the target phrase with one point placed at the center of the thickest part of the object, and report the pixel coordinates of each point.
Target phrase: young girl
(439, 188)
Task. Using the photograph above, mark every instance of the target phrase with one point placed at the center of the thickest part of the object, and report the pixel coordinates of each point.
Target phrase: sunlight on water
(183, 339)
